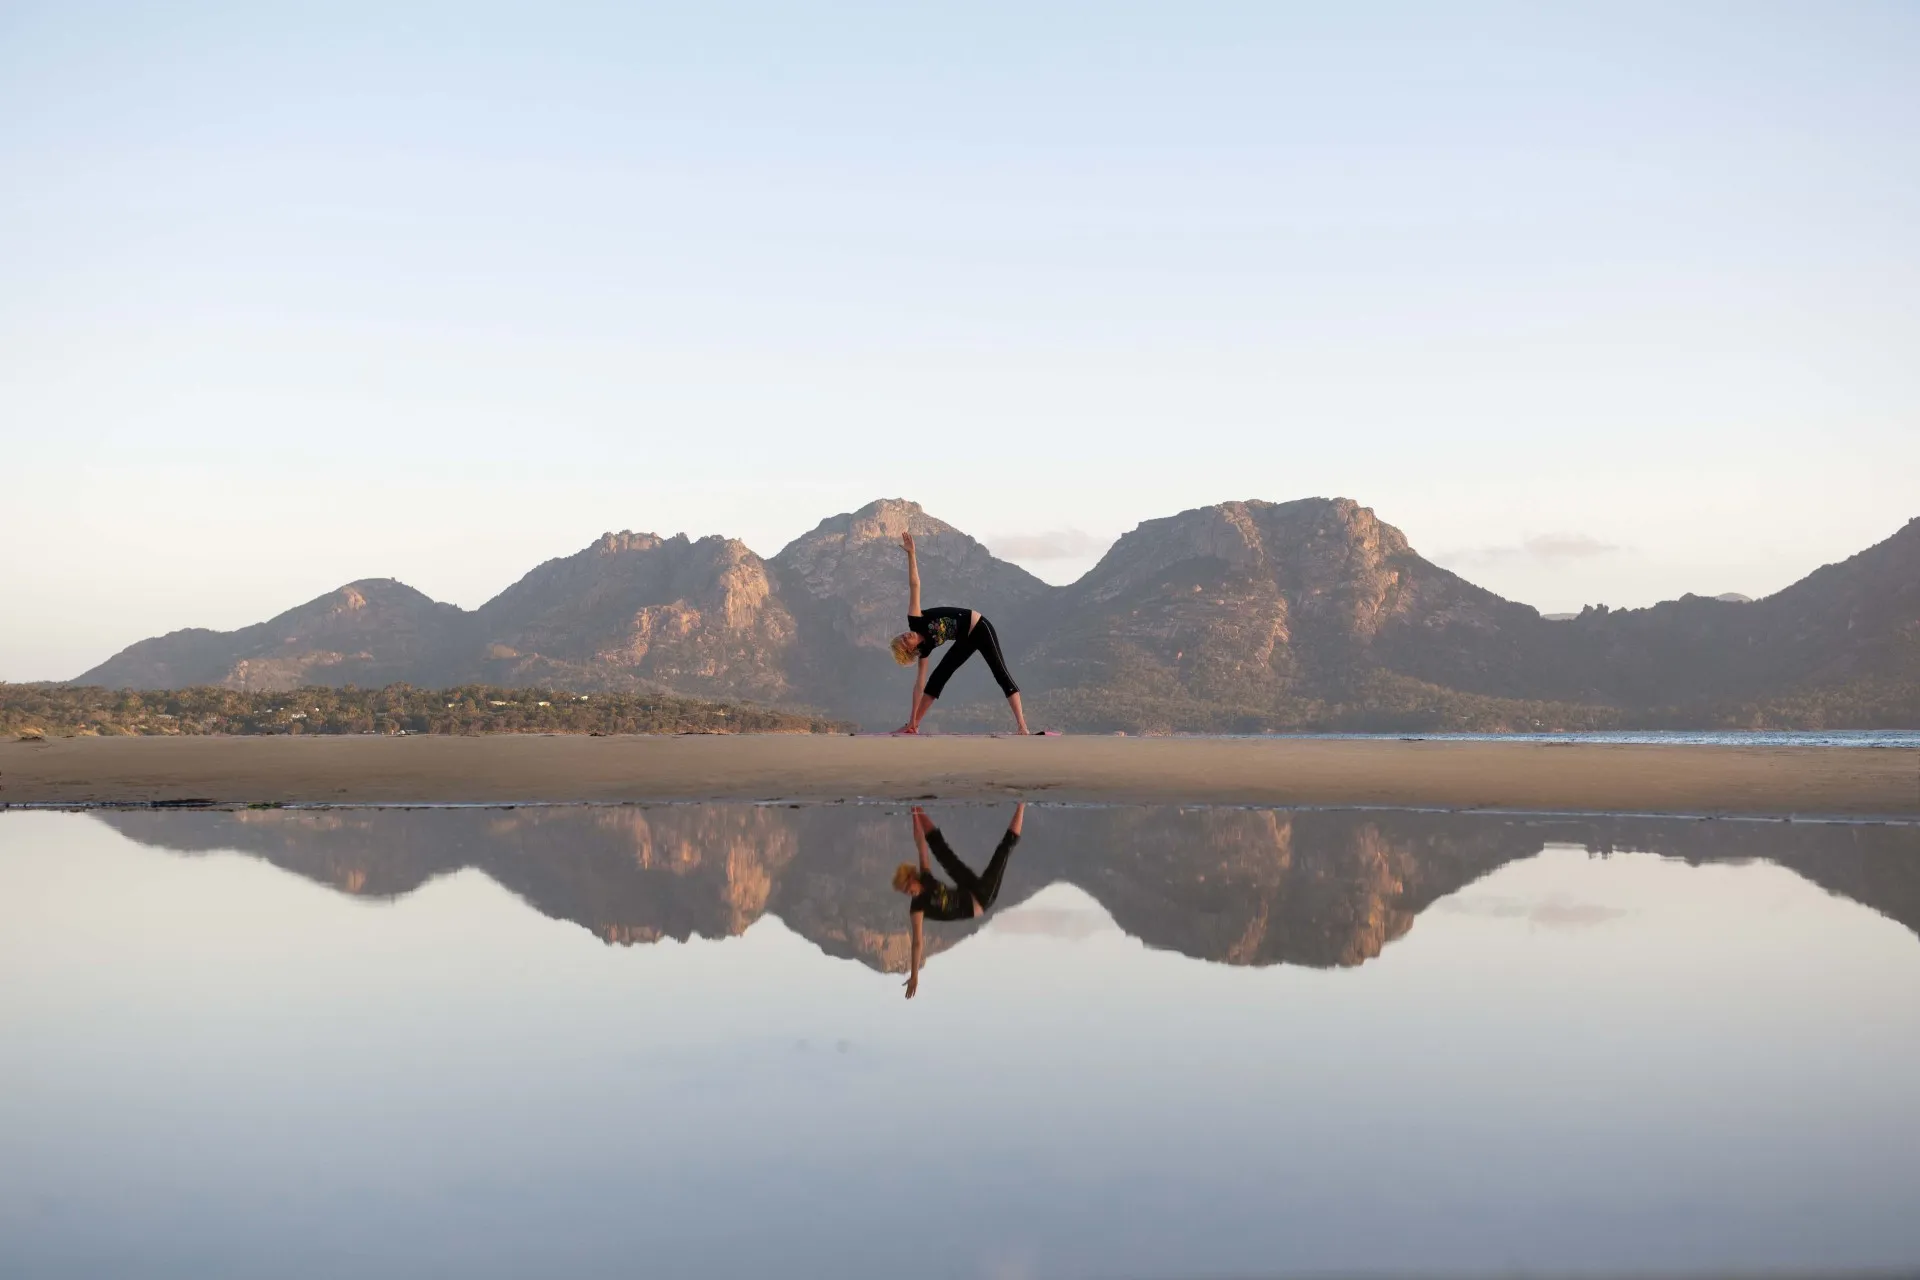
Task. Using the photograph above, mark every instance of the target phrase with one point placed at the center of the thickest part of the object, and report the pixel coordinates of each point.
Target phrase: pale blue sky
(296, 295)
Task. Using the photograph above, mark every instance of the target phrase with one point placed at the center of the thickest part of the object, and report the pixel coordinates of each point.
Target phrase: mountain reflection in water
(1230, 886)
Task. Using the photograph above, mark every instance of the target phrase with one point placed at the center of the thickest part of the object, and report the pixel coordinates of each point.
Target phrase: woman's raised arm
(913, 577)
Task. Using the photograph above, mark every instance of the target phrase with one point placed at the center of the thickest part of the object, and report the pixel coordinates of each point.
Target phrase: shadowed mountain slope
(372, 632)
(1856, 619)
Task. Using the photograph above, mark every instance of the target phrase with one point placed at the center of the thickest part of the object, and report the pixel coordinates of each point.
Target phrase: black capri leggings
(983, 640)
(984, 887)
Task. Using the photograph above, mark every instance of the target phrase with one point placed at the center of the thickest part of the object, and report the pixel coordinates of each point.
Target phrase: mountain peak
(375, 592)
(1320, 537)
(883, 519)
(889, 508)
(613, 544)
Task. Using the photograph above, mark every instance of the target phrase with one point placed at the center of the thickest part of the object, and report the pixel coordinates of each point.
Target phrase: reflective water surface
(672, 1040)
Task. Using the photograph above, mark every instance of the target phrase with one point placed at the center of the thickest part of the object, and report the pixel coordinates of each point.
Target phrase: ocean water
(1908, 739)
(672, 1041)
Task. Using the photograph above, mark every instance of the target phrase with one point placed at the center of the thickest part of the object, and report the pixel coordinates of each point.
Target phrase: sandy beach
(1569, 777)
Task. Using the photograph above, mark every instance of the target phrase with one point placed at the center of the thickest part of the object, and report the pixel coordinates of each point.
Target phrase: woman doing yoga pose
(969, 896)
(965, 628)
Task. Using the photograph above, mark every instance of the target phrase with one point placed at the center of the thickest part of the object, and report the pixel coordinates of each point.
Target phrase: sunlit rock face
(1250, 610)
(636, 610)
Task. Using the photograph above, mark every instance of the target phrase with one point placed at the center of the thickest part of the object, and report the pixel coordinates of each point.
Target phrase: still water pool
(673, 1041)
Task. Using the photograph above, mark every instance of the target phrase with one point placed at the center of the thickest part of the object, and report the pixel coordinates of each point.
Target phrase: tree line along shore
(1384, 705)
(57, 710)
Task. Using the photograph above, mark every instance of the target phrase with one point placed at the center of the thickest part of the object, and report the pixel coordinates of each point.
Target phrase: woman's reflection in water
(971, 895)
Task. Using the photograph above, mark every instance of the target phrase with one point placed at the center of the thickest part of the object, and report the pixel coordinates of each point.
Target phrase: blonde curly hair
(905, 646)
(904, 875)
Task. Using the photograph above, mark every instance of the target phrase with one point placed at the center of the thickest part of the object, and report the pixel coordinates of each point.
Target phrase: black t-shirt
(938, 625)
(941, 902)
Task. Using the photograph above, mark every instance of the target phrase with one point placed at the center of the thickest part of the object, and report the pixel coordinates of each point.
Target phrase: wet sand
(502, 769)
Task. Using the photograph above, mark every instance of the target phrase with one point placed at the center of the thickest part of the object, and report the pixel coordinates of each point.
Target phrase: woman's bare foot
(906, 728)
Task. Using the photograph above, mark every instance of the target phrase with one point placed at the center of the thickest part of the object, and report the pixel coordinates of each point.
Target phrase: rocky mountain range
(1244, 616)
(1232, 886)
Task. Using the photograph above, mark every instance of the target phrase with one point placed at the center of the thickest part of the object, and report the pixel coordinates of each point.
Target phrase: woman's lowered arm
(913, 973)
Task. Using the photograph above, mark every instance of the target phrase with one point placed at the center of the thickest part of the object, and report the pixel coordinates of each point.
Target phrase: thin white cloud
(1573, 915)
(1545, 548)
(1566, 546)
(1058, 544)
(1554, 911)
